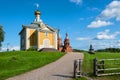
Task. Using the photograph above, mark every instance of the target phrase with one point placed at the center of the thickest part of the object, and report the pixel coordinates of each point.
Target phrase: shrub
(32, 49)
(116, 50)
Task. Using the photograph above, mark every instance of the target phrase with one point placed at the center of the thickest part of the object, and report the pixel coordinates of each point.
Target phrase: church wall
(51, 38)
(27, 42)
(42, 36)
(33, 38)
(38, 40)
(23, 40)
(55, 40)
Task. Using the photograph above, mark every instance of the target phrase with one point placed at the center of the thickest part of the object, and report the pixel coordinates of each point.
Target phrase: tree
(1, 36)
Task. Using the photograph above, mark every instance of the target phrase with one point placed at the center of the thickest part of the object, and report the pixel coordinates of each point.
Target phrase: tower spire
(37, 14)
(67, 47)
(37, 6)
(66, 35)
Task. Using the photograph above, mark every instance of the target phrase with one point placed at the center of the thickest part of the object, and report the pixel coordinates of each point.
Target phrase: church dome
(37, 12)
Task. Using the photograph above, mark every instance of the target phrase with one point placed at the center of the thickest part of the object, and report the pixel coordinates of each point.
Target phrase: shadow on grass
(64, 76)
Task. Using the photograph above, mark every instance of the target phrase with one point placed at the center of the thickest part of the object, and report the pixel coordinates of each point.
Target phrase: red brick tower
(67, 47)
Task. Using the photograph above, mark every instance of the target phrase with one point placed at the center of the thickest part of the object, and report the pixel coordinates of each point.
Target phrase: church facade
(39, 35)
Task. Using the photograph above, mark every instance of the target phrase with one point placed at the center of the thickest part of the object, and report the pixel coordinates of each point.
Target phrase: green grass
(14, 63)
(88, 64)
(82, 78)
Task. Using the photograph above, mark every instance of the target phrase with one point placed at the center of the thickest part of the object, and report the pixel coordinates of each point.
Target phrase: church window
(46, 43)
(46, 33)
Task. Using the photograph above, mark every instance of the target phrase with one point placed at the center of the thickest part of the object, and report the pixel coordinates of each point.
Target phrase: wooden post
(102, 62)
(80, 67)
(95, 67)
(99, 67)
(75, 69)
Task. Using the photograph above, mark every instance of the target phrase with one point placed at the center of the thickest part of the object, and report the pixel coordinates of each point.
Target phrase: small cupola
(37, 14)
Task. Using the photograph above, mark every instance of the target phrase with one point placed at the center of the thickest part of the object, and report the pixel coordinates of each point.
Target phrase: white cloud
(93, 9)
(111, 11)
(15, 48)
(88, 18)
(76, 1)
(117, 43)
(81, 19)
(99, 23)
(81, 38)
(11, 48)
(105, 35)
(102, 44)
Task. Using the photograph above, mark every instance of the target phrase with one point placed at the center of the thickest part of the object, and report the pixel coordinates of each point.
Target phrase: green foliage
(116, 50)
(32, 49)
(81, 78)
(17, 62)
(1, 35)
(77, 50)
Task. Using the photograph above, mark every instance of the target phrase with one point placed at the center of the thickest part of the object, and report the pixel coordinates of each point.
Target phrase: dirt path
(61, 69)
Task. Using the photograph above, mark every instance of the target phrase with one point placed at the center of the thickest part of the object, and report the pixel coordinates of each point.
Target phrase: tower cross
(37, 5)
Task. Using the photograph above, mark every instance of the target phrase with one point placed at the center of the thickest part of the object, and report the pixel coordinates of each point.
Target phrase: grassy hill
(14, 63)
(88, 65)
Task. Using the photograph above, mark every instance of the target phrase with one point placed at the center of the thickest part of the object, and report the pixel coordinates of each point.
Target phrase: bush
(77, 50)
(32, 49)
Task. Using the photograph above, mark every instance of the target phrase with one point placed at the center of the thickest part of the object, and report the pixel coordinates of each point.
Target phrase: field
(14, 63)
(88, 65)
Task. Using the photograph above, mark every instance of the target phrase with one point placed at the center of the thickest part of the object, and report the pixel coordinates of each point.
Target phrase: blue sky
(87, 22)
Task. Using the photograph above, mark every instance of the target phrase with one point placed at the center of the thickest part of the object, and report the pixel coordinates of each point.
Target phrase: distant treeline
(100, 50)
(109, 50)
(77, 50)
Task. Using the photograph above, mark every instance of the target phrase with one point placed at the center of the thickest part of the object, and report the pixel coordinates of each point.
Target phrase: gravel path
(61, 69)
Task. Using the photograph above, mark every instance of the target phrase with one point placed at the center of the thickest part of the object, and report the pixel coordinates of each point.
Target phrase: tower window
(46, 33)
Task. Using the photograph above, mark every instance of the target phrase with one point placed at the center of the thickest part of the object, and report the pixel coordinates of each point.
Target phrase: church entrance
(46, 43)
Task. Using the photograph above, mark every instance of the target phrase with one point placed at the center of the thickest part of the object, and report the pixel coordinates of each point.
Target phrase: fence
(99, 67)
(78, 68)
